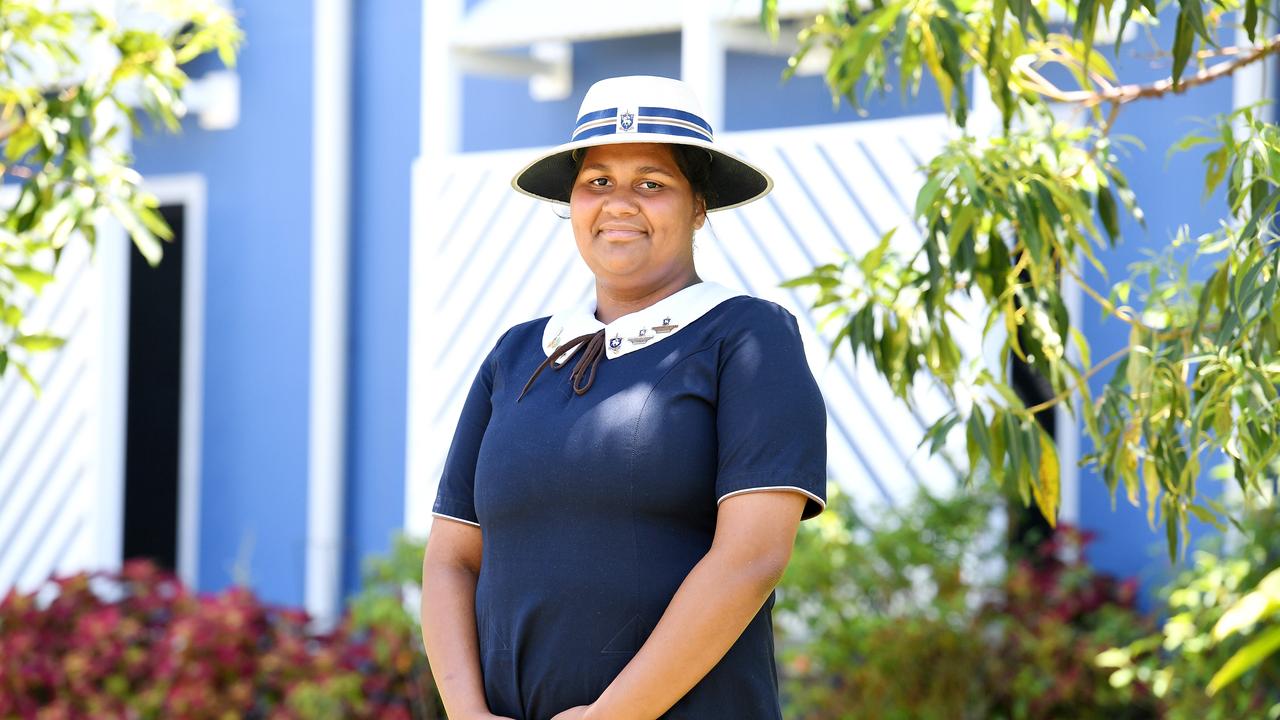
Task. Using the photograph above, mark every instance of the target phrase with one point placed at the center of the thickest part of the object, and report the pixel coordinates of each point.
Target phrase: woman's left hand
(573, 713)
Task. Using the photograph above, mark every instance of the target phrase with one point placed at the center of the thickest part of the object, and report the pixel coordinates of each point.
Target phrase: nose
(621, 203)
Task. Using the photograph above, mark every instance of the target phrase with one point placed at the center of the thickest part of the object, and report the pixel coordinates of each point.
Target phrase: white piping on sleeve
(455, 519)
(821, 503)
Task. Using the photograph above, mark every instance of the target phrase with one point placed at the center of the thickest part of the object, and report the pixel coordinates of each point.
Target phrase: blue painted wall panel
(756, 97)
(387, 92)
(257, 317)
(498, 112)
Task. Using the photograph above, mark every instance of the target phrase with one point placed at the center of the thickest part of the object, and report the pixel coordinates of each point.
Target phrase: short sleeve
(771, 422)
(455, 496)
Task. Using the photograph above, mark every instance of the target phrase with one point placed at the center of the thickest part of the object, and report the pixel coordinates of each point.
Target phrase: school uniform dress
(595, 507)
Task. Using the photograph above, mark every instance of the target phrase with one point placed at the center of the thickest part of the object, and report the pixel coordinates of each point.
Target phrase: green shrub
(915, 616)
(387, 605)
(1178, 662)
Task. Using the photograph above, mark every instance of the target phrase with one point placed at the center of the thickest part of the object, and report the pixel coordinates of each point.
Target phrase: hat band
(655, 120)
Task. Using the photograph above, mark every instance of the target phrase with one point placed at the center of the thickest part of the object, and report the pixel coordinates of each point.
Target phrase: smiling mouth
(620, 233)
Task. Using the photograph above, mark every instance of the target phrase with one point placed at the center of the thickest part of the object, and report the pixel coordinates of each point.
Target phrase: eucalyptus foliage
(71, 76)
(1009, 215)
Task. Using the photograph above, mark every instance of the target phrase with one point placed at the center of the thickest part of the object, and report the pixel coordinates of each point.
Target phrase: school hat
(643, 109)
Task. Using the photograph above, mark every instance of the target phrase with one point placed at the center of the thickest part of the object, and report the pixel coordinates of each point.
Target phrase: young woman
(609, 542)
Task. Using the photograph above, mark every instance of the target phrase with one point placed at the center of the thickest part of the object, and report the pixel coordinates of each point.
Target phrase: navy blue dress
(594, 508)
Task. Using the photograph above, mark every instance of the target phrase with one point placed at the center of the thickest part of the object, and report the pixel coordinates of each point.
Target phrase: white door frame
(189, 191)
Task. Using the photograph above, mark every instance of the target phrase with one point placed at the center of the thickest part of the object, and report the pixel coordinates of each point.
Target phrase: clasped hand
(573, 713)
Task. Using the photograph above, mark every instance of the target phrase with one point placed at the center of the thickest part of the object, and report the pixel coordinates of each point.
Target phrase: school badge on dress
(665, 327)
(640, 339)
(615, 343)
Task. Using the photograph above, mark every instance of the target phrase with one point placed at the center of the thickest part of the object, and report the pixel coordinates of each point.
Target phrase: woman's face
(633, 215)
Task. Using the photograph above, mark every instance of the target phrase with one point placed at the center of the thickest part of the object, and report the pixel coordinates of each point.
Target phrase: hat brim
(736, 181)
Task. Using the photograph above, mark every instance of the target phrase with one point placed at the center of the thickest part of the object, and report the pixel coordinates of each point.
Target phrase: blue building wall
(253, 502)
(254, 495)
(756, 97)
(387, 102)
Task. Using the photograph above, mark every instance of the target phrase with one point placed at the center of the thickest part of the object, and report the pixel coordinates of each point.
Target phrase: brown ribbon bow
(588, 361)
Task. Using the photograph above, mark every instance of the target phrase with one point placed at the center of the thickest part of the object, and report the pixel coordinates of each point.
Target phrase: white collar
(643, 327)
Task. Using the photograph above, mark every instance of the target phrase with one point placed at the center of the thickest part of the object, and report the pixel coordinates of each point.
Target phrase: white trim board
(331, 143)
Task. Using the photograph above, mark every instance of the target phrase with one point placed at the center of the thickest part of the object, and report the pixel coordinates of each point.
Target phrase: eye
(599, 182)
(650, 185)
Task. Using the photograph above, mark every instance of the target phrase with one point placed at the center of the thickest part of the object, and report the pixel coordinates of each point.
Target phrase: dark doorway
(154, 401)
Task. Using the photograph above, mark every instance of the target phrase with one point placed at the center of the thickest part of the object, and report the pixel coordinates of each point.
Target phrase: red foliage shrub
(137, 644)
(1054, 616)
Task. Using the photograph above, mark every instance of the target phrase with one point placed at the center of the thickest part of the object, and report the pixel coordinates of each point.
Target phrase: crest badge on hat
(627, 121)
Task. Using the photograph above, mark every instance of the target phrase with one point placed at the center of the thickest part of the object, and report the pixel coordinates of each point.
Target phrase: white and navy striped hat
(643, 109)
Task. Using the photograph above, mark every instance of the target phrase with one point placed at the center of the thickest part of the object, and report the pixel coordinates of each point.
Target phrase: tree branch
(1083, 379)
(1129, 93)
(1119, 313)
(1106, 304)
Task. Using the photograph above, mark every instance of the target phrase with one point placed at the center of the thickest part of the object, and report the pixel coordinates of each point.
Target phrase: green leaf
(155, 222)
(1205, 515)
(937, 433)
(1246, 658)
(38, 343)
(952, 64)
(1251, 19)
(1261, 602)
(20, 142)
(1187, 142)
(1046, 491)
(927, 195)
(1028, 16)
(25, 373)
(977, 441)
(1183, 39)
(31, 277)
(1151, 482)
(769, 18)
(1129, 7)
(998, 447)
(1086, 23)
(1251, 227)
(1108, 213)
(143, 239)
(1215, 170)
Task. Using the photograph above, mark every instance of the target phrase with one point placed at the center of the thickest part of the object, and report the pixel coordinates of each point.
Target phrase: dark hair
(692, 162)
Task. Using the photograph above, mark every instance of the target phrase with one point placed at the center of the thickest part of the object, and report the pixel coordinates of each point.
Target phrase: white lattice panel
(49, 443)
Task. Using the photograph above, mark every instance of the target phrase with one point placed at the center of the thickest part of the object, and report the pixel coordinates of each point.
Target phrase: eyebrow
(644, 170)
